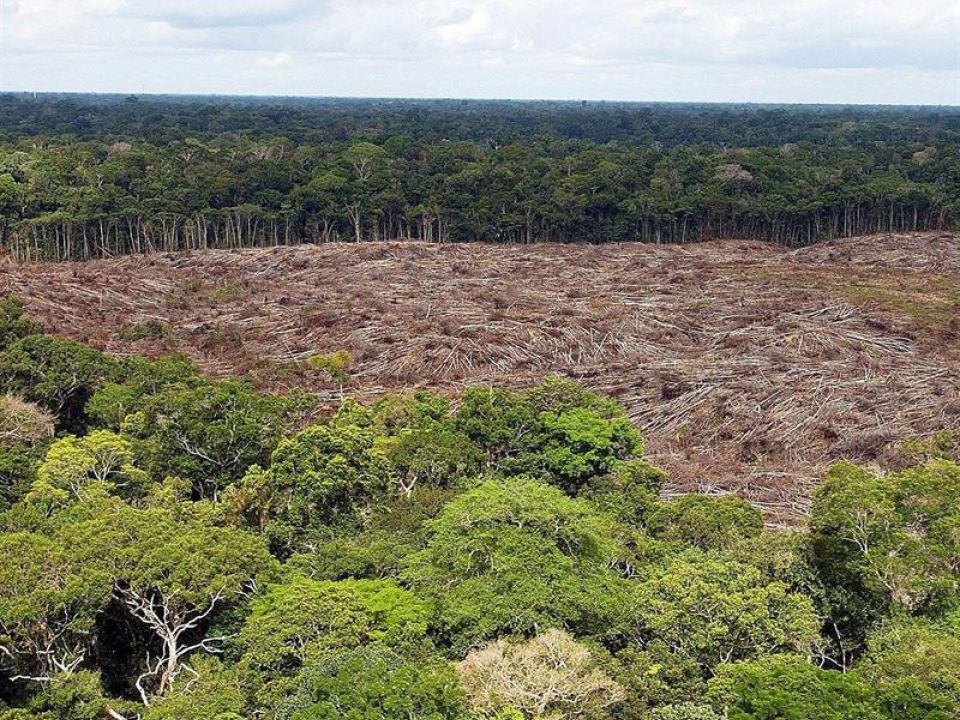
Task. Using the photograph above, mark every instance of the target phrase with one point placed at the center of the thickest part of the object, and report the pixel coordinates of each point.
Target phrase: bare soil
(748, 367)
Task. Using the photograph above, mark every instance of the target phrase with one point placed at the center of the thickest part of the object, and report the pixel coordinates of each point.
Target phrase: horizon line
(477, 99)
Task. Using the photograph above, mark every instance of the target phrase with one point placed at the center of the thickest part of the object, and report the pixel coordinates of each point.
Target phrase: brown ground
(748, 367)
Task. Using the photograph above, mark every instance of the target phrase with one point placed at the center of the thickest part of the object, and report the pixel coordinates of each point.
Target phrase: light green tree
(914, 668)
(788, 687)
(719, 612)
(374, 682)
(72, 465)
(707, 523)
(299, 620)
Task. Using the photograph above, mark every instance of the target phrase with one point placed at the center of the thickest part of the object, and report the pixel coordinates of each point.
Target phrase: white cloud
(193, 14)
(274, 61)
(776, 50)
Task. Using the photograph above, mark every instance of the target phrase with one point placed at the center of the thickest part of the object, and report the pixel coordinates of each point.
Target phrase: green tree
(719, 612)
(171, 571)
(394, 529)
(69, 696)
(914, 669)
(558, 431)
(140, 380)
(218, 693)
(886, 541)
(630, 492)
(296, 622)
(685, 711)
(324, 475)
(706, 523)
(25, 431)
(9, 207)
(101, 458)
(14, 325)
(209, 432)
(515, 557)
(58, 375)
(432, 455)
(374, 682)
(784, 687)
(49, 601)
(578, 444)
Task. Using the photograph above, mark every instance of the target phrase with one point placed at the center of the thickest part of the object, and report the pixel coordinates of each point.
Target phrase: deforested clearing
(748, 367)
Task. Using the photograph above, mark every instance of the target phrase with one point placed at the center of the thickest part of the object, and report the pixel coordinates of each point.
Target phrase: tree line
(160, 119)
(179, 548)
(182, 184)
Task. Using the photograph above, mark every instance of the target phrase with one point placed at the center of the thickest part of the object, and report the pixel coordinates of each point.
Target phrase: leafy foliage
(516, 556)
(297, 621)
(719, 612)
(49, 600)
(58, 375)
(374, 682)
(915, 670)
(14, 324)
(786, 687)
(218, 694)
(324, 475)
(102, 458)
(887, 540)
(209, 432)
(705, 522)
(556, 431)
(25, 431)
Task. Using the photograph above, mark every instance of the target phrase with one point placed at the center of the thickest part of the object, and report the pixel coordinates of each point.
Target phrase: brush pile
(749, 368)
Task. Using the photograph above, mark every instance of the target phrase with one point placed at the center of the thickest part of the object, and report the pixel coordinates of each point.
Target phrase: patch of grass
(930, 300)
(152, 329)
(931, 313)
(226, 292)
(221, 338)
(198, 289)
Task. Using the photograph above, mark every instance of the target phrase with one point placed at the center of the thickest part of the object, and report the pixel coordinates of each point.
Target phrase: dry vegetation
(21, 421)
(747, 366)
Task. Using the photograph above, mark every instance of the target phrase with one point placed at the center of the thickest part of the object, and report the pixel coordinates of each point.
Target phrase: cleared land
(748, 367)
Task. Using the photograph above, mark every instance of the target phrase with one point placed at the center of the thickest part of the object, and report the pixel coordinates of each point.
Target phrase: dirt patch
(748, 367)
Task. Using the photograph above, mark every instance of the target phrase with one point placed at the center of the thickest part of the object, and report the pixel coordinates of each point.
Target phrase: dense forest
(86, 177)
(181, 548)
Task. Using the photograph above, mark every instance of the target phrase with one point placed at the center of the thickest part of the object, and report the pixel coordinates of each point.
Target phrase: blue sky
(861, 51)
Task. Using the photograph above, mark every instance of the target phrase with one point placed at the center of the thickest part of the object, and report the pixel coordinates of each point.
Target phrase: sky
(824, 51)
